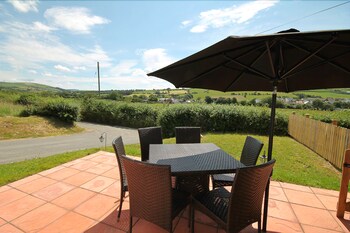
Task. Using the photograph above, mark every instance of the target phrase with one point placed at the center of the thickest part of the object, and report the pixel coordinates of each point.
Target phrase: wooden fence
(327, 140)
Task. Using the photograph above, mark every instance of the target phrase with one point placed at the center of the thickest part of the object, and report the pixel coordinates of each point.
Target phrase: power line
(307, 16)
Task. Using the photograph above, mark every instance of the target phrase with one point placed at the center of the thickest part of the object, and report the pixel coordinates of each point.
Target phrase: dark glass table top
(194, 158)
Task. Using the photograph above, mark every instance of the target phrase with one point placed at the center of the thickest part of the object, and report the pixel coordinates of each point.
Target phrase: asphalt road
(22, 149)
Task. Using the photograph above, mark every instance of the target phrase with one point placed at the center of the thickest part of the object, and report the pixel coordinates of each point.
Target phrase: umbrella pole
(269, 154)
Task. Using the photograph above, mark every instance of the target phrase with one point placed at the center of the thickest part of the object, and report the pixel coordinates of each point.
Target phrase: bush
(26, 99)
(122, 114)
(60, 110)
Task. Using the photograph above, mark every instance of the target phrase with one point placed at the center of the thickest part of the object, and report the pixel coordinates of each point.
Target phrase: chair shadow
(345, 222)
(111, 222)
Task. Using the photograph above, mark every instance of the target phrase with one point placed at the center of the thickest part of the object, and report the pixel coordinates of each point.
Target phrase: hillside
(28, 87)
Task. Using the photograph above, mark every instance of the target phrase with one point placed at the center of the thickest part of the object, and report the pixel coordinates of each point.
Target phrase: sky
(59, 43)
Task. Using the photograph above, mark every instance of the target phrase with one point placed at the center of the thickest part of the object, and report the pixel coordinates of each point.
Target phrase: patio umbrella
(286, 61)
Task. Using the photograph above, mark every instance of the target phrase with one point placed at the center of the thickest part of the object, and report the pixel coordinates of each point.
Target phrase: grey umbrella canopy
(286, 61)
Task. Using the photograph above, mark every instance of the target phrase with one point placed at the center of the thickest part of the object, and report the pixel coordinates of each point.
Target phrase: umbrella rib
(324, 59)
(308, 57)
(248, 67)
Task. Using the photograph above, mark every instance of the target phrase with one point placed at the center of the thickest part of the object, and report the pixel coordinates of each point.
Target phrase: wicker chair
(236, 210)
(150, 193)
(149, 135)
(249, 157)
(118, 146)
(188, 134)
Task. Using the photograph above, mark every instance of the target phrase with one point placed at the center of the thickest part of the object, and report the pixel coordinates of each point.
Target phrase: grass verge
(24, 127)
(16, 171)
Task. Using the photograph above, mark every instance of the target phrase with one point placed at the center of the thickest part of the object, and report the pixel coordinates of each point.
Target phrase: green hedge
(122, 114)
(57, 109)
(221, 118)
(213, 118)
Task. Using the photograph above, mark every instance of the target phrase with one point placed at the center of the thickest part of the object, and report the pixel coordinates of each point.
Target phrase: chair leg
(192, 218)
(130, 224)
(122, 194)
(259, 225)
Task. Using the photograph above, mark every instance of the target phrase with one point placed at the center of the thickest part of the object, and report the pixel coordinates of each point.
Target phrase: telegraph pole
(98, 76)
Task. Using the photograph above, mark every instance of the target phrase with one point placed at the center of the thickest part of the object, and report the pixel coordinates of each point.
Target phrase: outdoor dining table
(193, 159)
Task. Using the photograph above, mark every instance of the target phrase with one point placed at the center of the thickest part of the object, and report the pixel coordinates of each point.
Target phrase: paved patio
(82, 196)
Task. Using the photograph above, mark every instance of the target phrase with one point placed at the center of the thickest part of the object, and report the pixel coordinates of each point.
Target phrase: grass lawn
(294, 162)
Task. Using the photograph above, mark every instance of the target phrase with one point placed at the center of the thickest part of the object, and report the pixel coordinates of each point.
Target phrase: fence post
(342, 204)
(334, 122)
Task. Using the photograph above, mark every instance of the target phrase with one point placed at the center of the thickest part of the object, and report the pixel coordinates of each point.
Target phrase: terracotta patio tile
(277, 193)
(303, 198)
(275, 183)
(2, 221)
(19, 207)
(330, 202)
(24, 180)
(73, 162)
(97, 206)
(84, 165)
(280, 225)
(296, 187)
(102, 158)
(143, 226)
(203, 228)
(326, 192)
(8, 228)
(315, 217)
(4, 188)
(98, 184)
(39, 218)
(181, 226)
(80, 178)
(101, 168)
(313, 229)
(113, 173)
(73, 198)
(113, 190)
(103, 228)
(202, 218)
(69, 223)
(9, 196)
(63, 173)
(111, 218)
(344, 223)
(36, 185)
(88, 157)
(281, 210)
(51, 170)
(53, 191)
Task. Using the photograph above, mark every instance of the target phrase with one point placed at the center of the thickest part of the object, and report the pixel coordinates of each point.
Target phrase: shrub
(60, 110)
(26, 99)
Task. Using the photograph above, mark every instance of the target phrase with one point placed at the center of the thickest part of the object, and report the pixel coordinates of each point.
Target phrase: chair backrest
(188, 134)
(149, 135)
(247, 195)
(251, 151)
(119, 150)
(150, 192)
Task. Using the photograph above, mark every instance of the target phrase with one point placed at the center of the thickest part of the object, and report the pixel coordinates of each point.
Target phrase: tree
(208, 100)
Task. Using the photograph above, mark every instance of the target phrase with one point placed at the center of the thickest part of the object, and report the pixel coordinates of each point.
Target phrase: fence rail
(327, 140)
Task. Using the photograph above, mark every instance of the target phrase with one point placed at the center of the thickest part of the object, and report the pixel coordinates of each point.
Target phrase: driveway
(21, 149)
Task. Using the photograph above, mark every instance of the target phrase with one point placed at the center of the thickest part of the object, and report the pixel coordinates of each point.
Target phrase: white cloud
(62, 68)
(79, 68)
(25, 6)
(75, 19)
(154, 59)
(33, 71)
(42, 27)
(26, 47)
(218, 18)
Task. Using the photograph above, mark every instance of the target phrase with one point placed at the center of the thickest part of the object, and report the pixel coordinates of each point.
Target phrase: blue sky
(58, 43)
